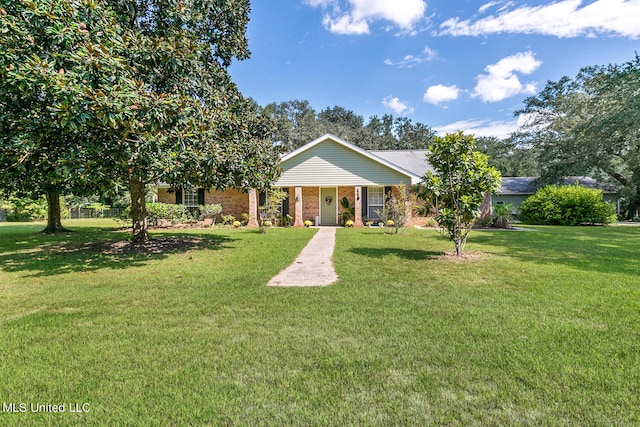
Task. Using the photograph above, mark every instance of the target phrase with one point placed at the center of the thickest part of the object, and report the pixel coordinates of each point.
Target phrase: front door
(328, 206)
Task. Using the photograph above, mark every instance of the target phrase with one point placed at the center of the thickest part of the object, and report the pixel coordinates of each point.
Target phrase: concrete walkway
(314, 265)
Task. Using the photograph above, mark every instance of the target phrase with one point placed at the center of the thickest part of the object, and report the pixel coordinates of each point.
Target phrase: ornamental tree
(456, 188)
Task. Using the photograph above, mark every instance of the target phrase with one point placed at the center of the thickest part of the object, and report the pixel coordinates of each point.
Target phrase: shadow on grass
(602, 249)
(409, 254)
(87, 252)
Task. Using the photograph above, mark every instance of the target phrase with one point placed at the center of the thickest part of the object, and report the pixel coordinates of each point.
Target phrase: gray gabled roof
(412, 160)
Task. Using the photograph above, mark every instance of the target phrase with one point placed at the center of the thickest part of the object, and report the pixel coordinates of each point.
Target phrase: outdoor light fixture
(357, 194)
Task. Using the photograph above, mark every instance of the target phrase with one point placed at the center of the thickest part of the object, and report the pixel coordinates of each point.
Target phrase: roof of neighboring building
(531, 184)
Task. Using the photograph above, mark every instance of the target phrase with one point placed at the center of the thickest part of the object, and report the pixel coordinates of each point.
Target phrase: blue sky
(453, 65)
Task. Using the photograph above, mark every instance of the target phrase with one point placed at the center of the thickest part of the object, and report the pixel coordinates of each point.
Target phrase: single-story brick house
(317, 176)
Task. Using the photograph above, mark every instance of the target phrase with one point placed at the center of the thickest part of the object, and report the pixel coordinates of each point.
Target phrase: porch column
(357, 222)
(253, 208)
(298, 222)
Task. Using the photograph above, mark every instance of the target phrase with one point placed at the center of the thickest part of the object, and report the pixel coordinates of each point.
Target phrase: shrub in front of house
(501, 217)
(228, 219)
(567, 205)
(348, 223)
(170, 212)
(209, 210)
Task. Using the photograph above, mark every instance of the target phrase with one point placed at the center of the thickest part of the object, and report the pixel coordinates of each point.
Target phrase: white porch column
(297, 221)
(357, 222)
(253, 208)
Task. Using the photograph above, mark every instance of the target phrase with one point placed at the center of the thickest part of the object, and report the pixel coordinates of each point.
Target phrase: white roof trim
(414, 178)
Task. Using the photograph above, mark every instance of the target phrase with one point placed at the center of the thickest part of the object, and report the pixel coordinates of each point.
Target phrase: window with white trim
(190, 197)
(375, 202)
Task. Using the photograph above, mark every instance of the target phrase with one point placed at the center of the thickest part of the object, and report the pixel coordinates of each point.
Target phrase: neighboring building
(515, 190)
(318, 175)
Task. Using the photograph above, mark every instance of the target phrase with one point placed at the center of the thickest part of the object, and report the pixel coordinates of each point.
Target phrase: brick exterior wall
(165, 197)
(350, 194)
(233, 202)
(310, 207)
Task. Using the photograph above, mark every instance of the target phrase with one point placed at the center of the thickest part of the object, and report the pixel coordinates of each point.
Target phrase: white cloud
(479, 127)
(354, 16)
(487, 6)
(345, 24)
(500, 82)
(441, 93)
(410, 61)
(565, 18)
(396, 105)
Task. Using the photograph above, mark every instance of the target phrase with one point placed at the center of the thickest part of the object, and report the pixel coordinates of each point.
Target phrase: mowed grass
(536, 328)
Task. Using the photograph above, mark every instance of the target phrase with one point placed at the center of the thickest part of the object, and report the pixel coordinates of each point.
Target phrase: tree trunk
(634, 204)
(54, 223)
(138, 210)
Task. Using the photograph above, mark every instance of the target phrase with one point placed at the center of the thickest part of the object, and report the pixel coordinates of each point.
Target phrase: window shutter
(179, 196)
(387, 192)
(262, 198)
(201, 196)
(285, 203)
(363, 197)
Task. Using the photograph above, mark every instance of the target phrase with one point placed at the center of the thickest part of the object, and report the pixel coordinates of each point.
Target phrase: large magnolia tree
(188, 125)
(52, 52)
(97, 93)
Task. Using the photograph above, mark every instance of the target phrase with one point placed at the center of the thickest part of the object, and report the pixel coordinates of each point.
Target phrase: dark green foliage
(589, 125)
(508, 157)
(297, 123)
(25, 208)
(53, 53)
(567, 205)
(173, 213)
(348, 211)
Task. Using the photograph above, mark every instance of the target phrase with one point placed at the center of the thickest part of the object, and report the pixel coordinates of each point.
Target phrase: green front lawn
(535, 328)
